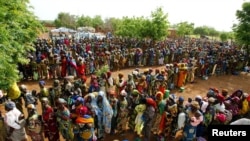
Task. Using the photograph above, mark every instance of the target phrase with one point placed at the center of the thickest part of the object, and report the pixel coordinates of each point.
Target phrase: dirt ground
(200, 87)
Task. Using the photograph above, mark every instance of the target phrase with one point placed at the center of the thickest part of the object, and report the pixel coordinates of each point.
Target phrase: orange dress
(181, 78)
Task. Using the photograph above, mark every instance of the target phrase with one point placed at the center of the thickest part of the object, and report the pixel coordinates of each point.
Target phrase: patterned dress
(50, 126)
(132, 112)
(34, 127)
(122, 116)
(65, 125)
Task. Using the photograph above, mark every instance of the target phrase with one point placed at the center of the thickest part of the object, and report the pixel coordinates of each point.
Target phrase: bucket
(182, 89)
(205, 78)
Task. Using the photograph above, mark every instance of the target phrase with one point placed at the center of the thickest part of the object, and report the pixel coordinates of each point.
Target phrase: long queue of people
(107, 105)
(57, 58)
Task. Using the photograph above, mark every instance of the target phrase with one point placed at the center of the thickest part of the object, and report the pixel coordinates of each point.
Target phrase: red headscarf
(220, 98)
(151, 102)
(248, 98)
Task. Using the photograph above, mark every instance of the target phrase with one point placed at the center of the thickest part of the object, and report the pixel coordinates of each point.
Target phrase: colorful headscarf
(85, 119)
(93, 102)
(106, 114)
(151, 102)
(135, 92)
(42, 83)
(220, 98)
(10, 105)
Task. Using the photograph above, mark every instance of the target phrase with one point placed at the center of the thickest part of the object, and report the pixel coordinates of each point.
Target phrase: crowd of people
(141, 102)
(58, 58)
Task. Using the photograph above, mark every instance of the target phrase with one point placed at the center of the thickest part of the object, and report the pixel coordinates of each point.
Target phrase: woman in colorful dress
(34, 124)
(159, 111)
(133, 101)
(104, 115)
(122, 113)
(64, 66)
(165, 125)
(147, 117)
(130, 85)
(90, 103)
(114, 104)
(142, 84)
(63, 118)
(139, 123)
(194, 118)
(49, 121)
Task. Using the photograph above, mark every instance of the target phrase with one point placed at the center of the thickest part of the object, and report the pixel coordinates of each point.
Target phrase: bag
(14, 92)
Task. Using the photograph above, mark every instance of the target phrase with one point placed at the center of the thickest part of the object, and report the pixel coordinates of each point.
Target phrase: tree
(159, 25)
(97, 22)
(83, 21)
(185, 28)
(111, 24)
(201, 30)
(65, 20)
(19, 28)
(132, 27)
(223, 36)
(213, 32)
(242, 29)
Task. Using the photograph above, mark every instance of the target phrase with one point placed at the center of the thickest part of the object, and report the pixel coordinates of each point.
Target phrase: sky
(219, 14)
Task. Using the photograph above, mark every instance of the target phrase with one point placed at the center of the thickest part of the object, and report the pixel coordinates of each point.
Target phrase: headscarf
(62, 101)
(93, 102)
(80, 99)
(236, 93)
(106, 114)
(10, 105)
(42, 83)
(85, 119)
(123, 93)
(135, 92)
(220, 98)
(248, 98)
(195, 104)
(159, 95)
(151, 102)
(181, 99)
(221, 117)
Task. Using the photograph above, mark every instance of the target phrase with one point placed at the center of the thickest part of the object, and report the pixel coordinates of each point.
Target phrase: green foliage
(19, 28)
(65, 20)
(242, 29)
(159, 24)
(97, 21)
(201, 30)
(130, 27)
(140, 27)
(207, 31)
(83, 21)
(185, 28)
(223, 37)
(111, 24)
